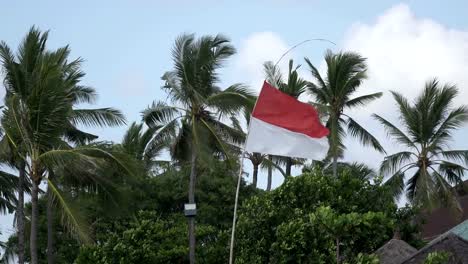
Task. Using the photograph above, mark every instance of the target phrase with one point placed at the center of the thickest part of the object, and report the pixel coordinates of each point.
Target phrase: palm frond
(359, 170)
(269, 163)
(232, 100)
(395, 132)
(362, 100)
(396, 184)
(87, 154)
(408, 115)
(8, 186)
(457, 155)
(366, 139)
(98, 117)
(77, 136)
(317, 90)
(455, 119)
(70, 217)
(445, 195)
(273, 74)
(159, 113)
(83, 94)
(452, 172)
(218, 139)
(394, 162)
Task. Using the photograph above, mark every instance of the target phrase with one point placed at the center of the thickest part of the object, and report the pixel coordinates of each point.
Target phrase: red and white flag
(281, 125)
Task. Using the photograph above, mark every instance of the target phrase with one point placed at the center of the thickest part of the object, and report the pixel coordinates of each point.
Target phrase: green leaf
(366, 139)
(98, 117)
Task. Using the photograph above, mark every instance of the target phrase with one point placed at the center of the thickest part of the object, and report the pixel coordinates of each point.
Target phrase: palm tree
(357, 169)
(295, 86)
(256, 159)
(199, 106)
(11, 159)
(333, 94)
(145, 145)
(42, 88)
(8, 186)
(425, 129)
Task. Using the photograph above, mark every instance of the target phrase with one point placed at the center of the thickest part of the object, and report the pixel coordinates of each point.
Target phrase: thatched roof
(395, 251)
(451, 243)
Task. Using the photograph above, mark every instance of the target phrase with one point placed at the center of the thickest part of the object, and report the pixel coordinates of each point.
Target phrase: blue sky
(126, 44)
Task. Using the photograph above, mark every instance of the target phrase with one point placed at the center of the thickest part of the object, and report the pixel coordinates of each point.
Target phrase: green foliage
(148, 239)
(365, 259)
(301, 220)
(437, 258)
(137, 206)
(410, 226)
(67, 245)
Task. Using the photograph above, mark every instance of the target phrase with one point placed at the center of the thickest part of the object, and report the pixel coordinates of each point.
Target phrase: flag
(282, 125)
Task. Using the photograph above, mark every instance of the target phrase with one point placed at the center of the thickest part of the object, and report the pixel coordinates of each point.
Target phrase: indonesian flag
(281, 125)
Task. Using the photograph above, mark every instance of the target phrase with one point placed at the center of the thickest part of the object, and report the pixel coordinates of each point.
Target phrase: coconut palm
(8, 186)
(426, 128)
(10, 159)
(357, 169)
(145, 145)
(255, 158)
(199, 106)
(42, 88)
(333, 94)
(294, 86)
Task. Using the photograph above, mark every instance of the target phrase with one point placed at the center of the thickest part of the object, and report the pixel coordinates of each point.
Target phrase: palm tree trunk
(20, 212)
(337, 250)
(191, 197)
(288, 166)
(334, 143)
(255, 175)
(34, 221)
(50, 226)
(270, 174)
(335, 165)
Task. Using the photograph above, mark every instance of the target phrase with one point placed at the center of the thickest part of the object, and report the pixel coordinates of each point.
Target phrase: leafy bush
(437, 258)
(366, 259)
(303, 220)
(149, 239)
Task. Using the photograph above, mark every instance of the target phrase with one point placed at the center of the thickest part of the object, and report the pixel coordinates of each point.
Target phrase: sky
(127, 45)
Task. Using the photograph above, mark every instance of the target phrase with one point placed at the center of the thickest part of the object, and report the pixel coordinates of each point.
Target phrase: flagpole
(236, 199)
(233, 231)
(241, 164)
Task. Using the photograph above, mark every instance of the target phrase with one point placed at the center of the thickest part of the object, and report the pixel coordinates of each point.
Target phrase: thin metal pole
(300, 43)
(234, 218)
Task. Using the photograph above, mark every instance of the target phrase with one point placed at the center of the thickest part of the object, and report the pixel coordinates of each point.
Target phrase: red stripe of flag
(282, 110)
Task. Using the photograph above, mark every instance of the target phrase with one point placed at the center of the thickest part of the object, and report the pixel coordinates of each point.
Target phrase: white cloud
(403, 52)
(256, 49)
